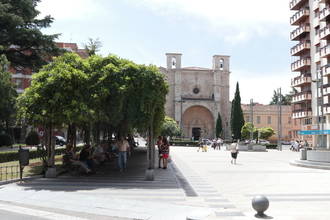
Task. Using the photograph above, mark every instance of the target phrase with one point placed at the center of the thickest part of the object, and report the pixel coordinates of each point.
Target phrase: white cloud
(241, 19)
(259, 86)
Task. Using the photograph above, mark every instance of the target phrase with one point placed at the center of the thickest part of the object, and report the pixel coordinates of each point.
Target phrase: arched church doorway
(198, 122)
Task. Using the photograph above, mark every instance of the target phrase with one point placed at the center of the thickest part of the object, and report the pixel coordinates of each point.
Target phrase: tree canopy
(7, 93)
(285, 99)
(170, 127)
(109, 92)
(264, 133)
(21, 39)
(218, 126)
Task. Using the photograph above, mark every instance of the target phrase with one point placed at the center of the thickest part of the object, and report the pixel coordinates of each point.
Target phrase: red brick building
(21, 76)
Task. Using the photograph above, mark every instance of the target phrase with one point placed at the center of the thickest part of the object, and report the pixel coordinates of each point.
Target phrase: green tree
(246, 130)
(56, 96)
(8, 95)
(21, 39)
(266, 132)
(237, 118)
(218, 126)
(285, 99)
(170, 127)
(93, 46)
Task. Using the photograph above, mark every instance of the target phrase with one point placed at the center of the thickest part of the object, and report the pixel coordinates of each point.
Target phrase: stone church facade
(196, 96)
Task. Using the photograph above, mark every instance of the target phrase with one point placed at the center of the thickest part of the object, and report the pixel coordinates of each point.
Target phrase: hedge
(13, 155)
(271, 146)
(5, 140)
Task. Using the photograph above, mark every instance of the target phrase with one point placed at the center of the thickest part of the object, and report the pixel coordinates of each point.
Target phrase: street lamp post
(320, 118)
(181, 123)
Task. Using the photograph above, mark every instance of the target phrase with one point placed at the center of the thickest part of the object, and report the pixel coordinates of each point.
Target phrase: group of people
(217, 144)
(297, 145)
(163, 151)
(89, 157)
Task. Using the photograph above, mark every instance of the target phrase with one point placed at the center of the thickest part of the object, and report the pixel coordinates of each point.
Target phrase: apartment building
(311, 58)
(21, 76)
(267, 116)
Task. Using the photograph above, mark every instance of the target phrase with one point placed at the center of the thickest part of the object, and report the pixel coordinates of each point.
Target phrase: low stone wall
(245, 147)
(318, 156)
(259, 148)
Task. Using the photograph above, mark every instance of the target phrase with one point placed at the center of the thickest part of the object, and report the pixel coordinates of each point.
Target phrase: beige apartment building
(311, 58)
(267, 116)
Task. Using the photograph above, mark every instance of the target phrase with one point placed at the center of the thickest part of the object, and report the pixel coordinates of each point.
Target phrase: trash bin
(23, 157)
(303, 154)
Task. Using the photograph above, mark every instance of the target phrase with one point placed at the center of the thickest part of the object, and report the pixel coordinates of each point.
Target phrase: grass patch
(10, 170)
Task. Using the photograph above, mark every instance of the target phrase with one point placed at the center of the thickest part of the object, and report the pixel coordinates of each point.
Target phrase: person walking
(234, 152)
(165, 151)
(123, 146)
(159, 146)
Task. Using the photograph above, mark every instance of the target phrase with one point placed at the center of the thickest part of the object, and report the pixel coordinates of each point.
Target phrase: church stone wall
(193, 90)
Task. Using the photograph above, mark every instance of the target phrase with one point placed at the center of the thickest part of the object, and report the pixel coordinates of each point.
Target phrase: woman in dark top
(165, 150)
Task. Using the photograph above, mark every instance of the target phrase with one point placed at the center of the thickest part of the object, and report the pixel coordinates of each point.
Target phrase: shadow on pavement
(108, 177)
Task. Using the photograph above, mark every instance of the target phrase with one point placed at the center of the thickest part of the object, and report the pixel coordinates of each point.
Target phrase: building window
(269, 119)
(221, 64)
(258, 119)
(289, 120)
(19, 83)
(173, 63)
(248, 118)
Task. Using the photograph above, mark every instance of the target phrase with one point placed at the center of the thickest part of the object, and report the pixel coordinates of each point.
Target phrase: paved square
(294, 192)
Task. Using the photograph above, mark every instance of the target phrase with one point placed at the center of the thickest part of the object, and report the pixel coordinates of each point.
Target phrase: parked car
(264, 142)
(59, 140)
(286, 142)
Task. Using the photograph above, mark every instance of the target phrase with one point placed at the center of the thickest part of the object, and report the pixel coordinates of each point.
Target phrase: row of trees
(107, 95)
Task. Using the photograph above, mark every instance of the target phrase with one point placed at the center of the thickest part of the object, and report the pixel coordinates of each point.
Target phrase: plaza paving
(294, 192)
(199, 185)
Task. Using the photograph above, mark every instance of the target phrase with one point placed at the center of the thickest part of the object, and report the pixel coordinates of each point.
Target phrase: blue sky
(254, 33)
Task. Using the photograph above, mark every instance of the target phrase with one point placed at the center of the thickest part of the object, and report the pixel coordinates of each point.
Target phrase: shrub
(32, 138)
(5, 140)
(13, 156)
(271, 146)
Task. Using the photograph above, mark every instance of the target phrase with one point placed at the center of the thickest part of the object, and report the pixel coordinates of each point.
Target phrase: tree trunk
(50, 145)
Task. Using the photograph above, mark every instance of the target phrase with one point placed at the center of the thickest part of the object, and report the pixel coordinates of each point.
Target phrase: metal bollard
(260, 204)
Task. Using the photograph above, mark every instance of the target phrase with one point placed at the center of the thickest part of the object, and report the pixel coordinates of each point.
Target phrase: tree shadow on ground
(108, 177)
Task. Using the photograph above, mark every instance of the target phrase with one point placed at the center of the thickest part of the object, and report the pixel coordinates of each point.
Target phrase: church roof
(195, 68)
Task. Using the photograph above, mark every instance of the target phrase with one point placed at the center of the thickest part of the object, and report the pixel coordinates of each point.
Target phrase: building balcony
(324, 13)
(301, 64)
(299, 16)
(302, 97)
(326, 91)
(300, 81)
(302, 113)
(300, 48)
(325, 33)
(297, 4)
(325, 51)
(325, 70)
(326, 110)
(300, 31)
